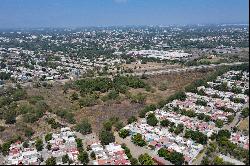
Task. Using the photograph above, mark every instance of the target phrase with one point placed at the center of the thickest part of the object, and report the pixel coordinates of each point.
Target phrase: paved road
(233, 161)
(136, 151)
(235, 122)
(184, 69)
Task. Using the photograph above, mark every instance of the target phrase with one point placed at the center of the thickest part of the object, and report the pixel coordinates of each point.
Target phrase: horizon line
(107, 26)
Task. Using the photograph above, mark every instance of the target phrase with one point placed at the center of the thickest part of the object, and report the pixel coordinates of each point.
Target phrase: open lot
(244, 124)
(97, 114)
(149, 66)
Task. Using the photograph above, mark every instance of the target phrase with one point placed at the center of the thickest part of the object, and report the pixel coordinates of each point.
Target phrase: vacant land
(56, 99)
(123, 108)
(244, 124)
(149, 66)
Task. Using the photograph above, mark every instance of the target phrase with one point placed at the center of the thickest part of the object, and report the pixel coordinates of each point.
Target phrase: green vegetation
(133, 161)
(165, 123)
(74, 96)
(5, 148)
(65, 158)
(83, 157)
(66, 114)
(88, 100)
(137, 98)
(196, 136)
(163, 86)
(225, 146)
(91, 85)
(174, 157)
(39, 145)
(48, 137)
(188, 113)
(34, 99)
(53, 123)
(84, 127)
(79, 144)
(132, 119)
(92, 155)
(138, 140)
(145, 159)
(51, 161)
(219, 123)
(90, 89)
(123, 133)
(147, 108)
(177, 129)
(245, 112)
(201, 102)
(106, 137)
(4, 76)
(151, 119)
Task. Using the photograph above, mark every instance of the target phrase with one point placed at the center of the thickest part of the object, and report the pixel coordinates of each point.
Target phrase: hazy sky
(78, 13)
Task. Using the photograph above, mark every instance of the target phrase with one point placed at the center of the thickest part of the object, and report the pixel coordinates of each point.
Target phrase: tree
(145, 159)
(201, 116)
(148, 108)
(113, 94)
(138, 98)
(84, 127)
(178, 96)
(83, 157)
(245, 112)
(48, 146)
(134, 161)
(201, 102)
(48, 137)
(25, 144)
(65, 158)
(205, 161)
(162, 152)
(223, 134)
(87, 101)
(132, 119)
(10, 116)
(165, 123)
(176, 158)
(39, 145)
(218, 161)
(230, 118)
(207, 118)
(51, 161)
(28, 132)
(106, 137)
(79, 144)
(74, 96)
(196, 136)
(219, 123)
(138, 140)
(19, 94)
(107, 125)
(92, 155)
(5, 148)
(123, 133)
(118, 125)
(152, 120)
(179, 129)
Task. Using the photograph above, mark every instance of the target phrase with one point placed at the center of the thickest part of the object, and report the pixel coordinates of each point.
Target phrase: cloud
(120, 1)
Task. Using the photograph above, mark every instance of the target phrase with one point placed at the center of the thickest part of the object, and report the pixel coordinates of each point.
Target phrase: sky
(81, 13)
